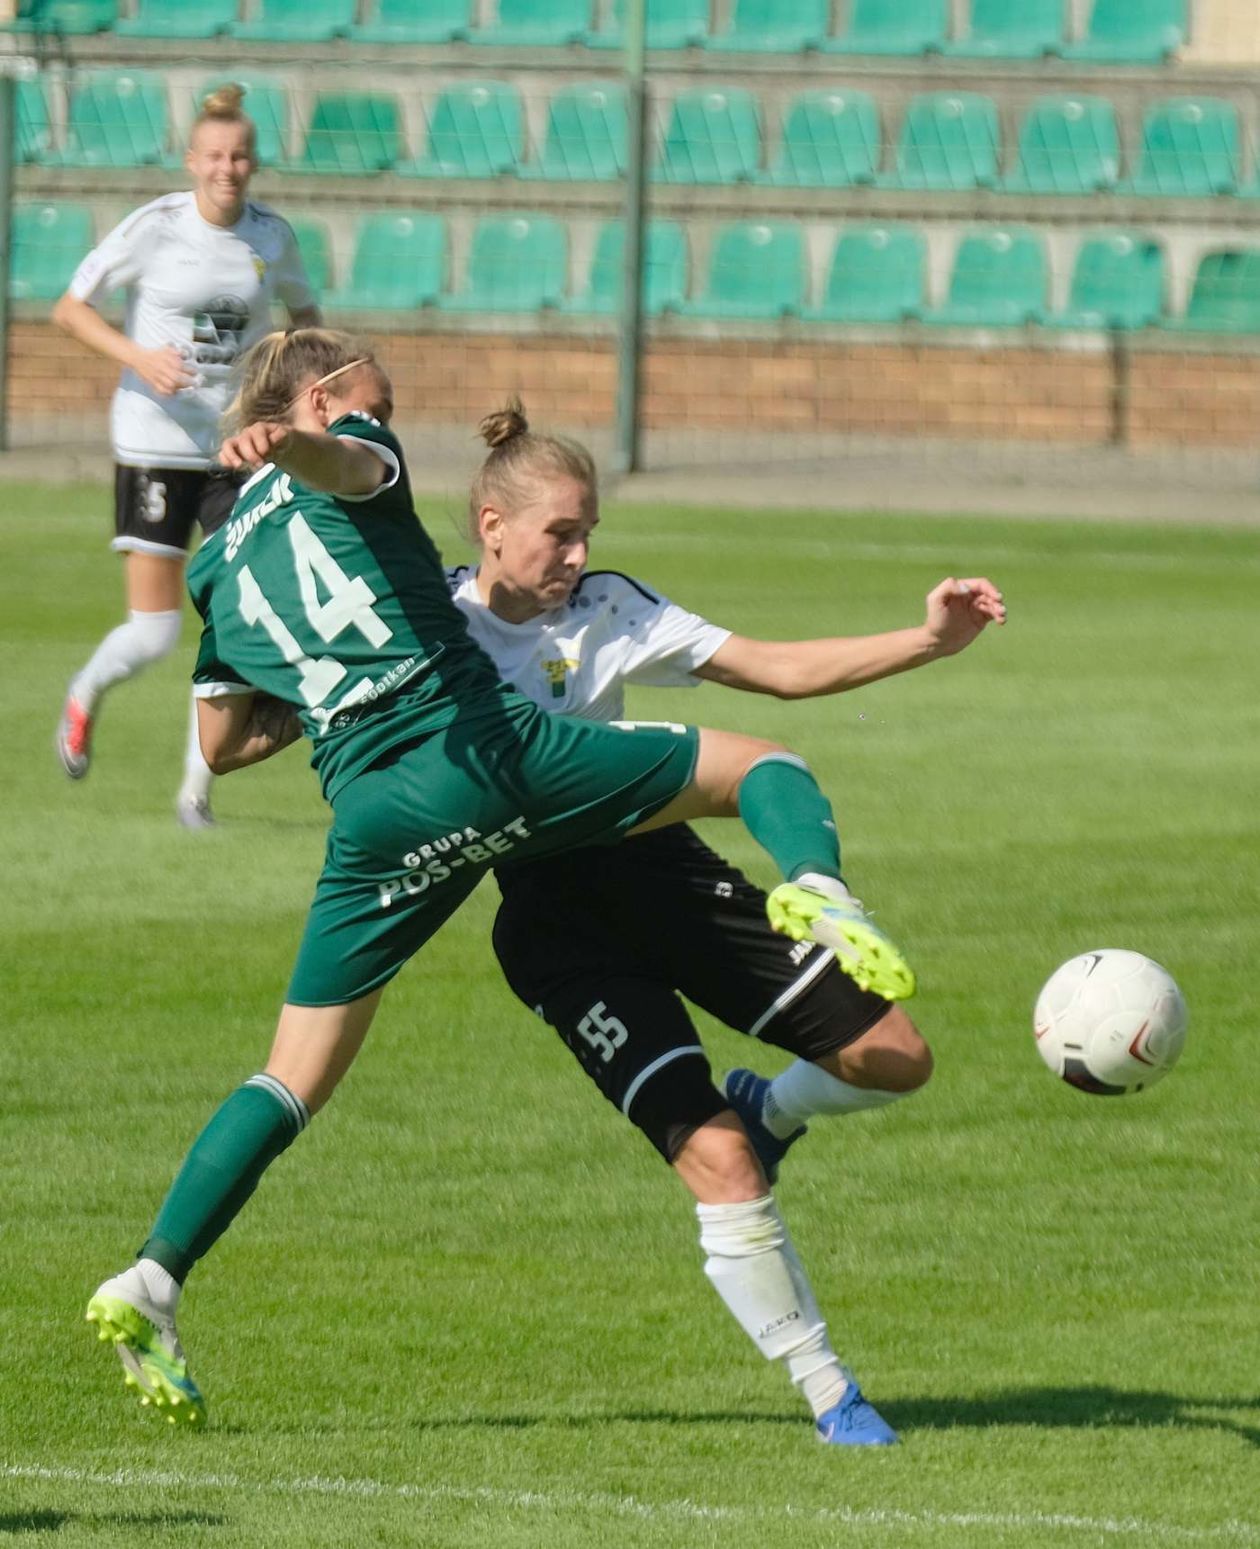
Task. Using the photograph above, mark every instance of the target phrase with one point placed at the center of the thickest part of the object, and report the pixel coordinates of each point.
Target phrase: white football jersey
(578, 658)
(205, 289)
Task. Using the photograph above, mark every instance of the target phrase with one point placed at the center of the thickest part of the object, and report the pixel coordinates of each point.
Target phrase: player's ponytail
(518, 461)
(222, 105)
(277, 369)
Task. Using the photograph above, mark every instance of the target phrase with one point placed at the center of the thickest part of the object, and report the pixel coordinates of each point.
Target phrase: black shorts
(155, 508)
(603, 942)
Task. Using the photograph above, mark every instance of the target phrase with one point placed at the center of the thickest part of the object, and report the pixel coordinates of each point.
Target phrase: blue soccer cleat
(854, 1422)
(746, 1093)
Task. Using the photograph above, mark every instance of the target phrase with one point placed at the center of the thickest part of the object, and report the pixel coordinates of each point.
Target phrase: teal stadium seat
(1011, 29)
(298, 21)
(415, 21)
(1131, 31)
(526, 23)
(519, 263)
(830, 140)
(948, 140)
(1067, 145)
(999, 281)
(670, 24)
(586, 134)
(876, 276)
(1117, 282)
(48, 242)
(69, 17)
(713, 136)
(33, 124)
(117, 118)
(664, 270)
(179, 19)
(893, 27)
(1226, 294)
(267, 103)
(476, 131)
(757, 271)
(1190, 148)
(352, 133)
(774, 27)
(399, 263)
(316, 250)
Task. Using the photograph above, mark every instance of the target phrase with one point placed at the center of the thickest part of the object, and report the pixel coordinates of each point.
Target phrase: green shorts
(413, 835)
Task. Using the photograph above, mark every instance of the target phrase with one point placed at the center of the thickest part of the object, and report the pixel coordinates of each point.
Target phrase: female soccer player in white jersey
(201, 270)
(323, 593)
(604, 950)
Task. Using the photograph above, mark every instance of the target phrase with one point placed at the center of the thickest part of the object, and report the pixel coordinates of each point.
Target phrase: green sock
(222, 1170)
(788, 815)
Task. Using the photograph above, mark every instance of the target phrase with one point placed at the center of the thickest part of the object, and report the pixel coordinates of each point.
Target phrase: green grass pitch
(468, 1307)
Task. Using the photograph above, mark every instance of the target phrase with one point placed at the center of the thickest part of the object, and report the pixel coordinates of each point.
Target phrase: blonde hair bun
(504, 424)
(223, 102)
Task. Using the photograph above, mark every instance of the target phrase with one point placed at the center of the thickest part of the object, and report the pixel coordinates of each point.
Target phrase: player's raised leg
(783, 808)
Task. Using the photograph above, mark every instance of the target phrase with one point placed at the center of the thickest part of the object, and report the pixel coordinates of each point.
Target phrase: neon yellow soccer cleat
(148, 1347)
(862, 950)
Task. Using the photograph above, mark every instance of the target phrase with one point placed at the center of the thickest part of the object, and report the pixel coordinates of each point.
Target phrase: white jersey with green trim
(207, 290)
(578, 658)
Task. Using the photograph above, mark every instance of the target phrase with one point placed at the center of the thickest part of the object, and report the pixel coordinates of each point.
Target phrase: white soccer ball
(1110, 1022)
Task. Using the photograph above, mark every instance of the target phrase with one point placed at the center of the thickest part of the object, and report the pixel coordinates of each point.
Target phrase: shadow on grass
(53, 1521)
(1076, 1408)
(1073, 1407)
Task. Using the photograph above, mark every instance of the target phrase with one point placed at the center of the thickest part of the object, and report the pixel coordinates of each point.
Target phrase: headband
(363, 360)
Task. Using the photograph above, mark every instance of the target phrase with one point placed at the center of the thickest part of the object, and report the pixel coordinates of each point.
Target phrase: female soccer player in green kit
(326, 611)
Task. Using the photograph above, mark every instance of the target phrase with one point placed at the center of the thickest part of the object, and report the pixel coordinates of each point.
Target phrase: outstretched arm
(340, 466)
(236, 730)
(957, 611)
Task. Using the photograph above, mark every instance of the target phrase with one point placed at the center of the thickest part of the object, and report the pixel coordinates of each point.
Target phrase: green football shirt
(339, 606)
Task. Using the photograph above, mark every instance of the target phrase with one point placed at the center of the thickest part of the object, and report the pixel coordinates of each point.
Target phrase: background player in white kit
(602, 944)
(201, 270)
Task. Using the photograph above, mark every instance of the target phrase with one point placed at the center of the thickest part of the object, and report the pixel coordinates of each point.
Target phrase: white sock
(753, 1266)
(805, 1089)
(145, 638)
(197, 776)
(162, 1287)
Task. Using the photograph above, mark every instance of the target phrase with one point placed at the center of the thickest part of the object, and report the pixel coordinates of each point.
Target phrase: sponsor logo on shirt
(438, 859)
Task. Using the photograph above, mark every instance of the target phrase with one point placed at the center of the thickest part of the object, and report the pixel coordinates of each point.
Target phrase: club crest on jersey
(555, 673)
(260, 265)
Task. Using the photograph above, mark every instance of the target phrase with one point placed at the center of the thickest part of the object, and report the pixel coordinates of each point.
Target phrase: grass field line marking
(629, 1506)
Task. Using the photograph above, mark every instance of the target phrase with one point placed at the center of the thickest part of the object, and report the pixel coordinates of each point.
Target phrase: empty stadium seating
(115, 118)
(179, 19)
(534, 22)
(519, 263)
(830, 140)
(1121, 31)
(476, 131)
(875, 276)
(586, 133)
(1226, 293)
(713, 136)
(315, 247)
(70, 17)
(33, 126)
(48, 240)
(415, 21)
(352, 133)
(670, 24)
(893, 27)
(1190, 147)
(297, 21)
(664, 280)
(399, 263)
(1067, 145)
(948, 140)
(774, 26)
(1011, 29)
(1117, 282)
(999, 281)
(756, 271)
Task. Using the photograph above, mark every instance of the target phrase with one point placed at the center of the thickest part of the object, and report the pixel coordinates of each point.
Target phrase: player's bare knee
(718, 1164)
(892, 1055)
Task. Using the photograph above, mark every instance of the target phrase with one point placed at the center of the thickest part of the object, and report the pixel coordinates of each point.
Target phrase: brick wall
(1151, 395)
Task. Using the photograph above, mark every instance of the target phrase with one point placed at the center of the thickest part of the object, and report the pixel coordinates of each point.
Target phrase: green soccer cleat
(862, 950)
(146, 1343)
